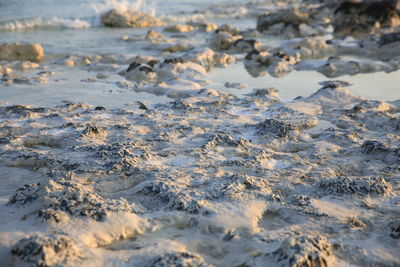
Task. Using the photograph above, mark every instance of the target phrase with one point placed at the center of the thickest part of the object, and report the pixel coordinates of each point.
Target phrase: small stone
(154, 35)
(17, 51)
(99, 108)
(129, 19)
(304, 250)
(235, 85)
(179, 28)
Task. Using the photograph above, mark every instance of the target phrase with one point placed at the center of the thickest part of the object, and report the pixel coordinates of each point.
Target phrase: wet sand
(201, 152)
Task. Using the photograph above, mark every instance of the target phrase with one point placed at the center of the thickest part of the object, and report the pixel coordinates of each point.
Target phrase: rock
(279, 64)
(99, 108)
(9, 79)
(279, 68)
(222, 41)
(208, 58)
(265, 92)
(59, 199)
(141, 69)
(235, 85)
(179, 28)
(307, 48)
(362, 18)
(361, 186)
(172, 198)
(389, 38)
(246, 45)
(171, 69)
(154, 35)
(129, 19)
(93, 130)
(381, 150)
(304, 250)
(52, 250)
(371, 147)
(5, 70)
(287, 17)
(395, 227)
(259, 57)
(181, 259)
(17, 51)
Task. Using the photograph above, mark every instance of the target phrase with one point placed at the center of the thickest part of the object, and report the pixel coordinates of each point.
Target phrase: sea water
(73, 28)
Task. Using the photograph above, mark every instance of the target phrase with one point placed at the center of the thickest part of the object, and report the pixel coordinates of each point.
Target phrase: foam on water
(41, 23)
(148, 7)
(57, 22)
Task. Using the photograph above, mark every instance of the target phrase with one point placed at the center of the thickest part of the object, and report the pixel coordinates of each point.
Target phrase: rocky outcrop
(129, 19)
(362, 18)
(304, 251)
(292, 17)
(17, 51)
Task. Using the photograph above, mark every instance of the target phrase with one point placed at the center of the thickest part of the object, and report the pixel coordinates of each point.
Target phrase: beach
(212, 133)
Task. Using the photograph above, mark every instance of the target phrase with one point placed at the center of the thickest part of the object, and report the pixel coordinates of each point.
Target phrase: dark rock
(142, 105)
(133, 66)
(389, 38)
(21, 111)
(371, 147)
(173, 60)
(99, 108)
(129, 18)
(395, 227)
(145, 69)
(111, 157)
(172, 197)
(223, 139)
(152, 63)
(93, 130)
(26, 194)
(246, 45)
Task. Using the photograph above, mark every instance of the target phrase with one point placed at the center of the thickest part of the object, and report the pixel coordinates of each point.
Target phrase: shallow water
(378, 86)
(73, 28)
